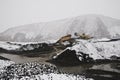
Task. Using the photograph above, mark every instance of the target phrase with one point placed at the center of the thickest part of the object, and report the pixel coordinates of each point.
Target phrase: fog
(19, 12)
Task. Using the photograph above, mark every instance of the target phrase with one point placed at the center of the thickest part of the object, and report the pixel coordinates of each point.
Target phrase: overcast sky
(20, 12)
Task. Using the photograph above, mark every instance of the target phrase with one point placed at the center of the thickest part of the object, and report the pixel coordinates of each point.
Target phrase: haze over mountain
(97, 26)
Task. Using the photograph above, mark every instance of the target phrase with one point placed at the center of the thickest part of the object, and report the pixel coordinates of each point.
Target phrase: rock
(3, 58)
(68, 57)
(26, 69)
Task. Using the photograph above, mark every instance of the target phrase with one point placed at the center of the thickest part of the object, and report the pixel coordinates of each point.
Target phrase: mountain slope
(97, 26)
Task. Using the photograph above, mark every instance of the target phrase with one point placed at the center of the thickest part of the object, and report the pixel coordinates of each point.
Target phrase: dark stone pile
(67, 58)
(26, 69)
(70, 58)
(3, 58)
(3, 50)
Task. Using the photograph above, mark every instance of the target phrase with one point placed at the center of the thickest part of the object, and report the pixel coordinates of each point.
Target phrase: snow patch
(53, 76)
(98, 50)
(8, 46)
(4, 63)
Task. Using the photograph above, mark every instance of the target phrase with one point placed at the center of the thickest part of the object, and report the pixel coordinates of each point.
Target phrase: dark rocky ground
(26, 69)
(36, 71)
(105, 71)
(3, 58)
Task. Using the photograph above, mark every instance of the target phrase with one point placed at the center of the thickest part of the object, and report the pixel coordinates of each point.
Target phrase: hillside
(97, 26)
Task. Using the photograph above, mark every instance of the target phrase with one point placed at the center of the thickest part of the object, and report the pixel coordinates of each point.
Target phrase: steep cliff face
(95, 25)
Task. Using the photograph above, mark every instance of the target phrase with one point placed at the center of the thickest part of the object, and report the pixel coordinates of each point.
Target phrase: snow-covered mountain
(97, 26)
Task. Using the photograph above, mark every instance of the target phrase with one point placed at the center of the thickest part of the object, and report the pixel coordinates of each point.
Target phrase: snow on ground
(8, 46)
(99, 40)
(18, 45)
(4, 63)
(36, 71)
(53, 76)
(108, 49)
(95, 48)
(24, 43)
(98, 50)
(94, 25)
